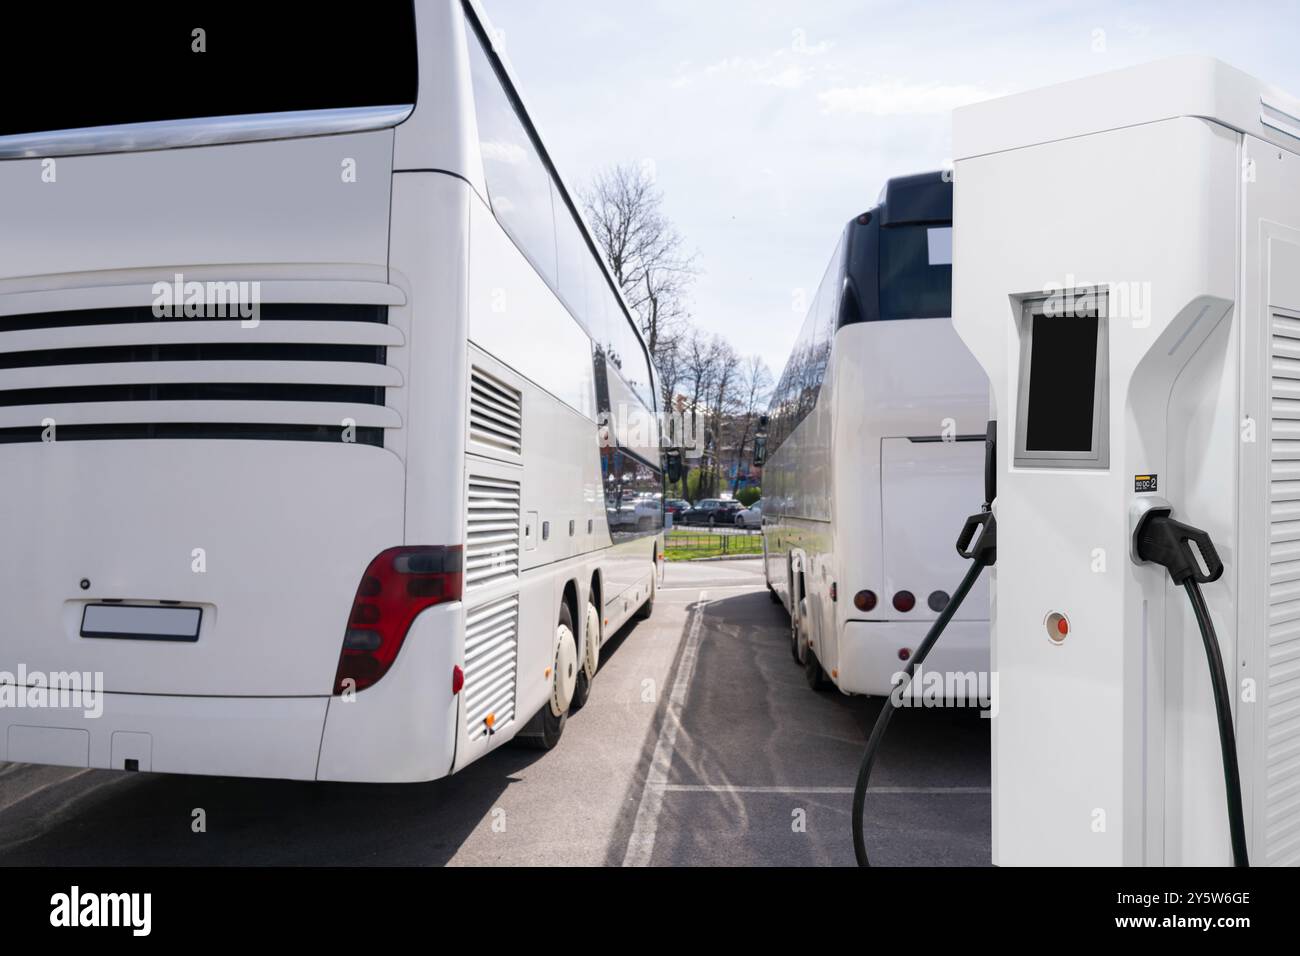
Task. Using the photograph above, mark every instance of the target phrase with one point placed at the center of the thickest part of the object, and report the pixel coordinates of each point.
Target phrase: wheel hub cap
(591, 659)
(565, 675)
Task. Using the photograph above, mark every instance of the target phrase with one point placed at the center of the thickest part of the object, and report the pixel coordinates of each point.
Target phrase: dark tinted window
(112, 63)
(915, 272)
(633, 495)
(624, 351)
(591, 299)
(801, 381)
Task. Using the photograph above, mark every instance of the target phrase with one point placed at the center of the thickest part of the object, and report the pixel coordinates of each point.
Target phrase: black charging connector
(1160, 539)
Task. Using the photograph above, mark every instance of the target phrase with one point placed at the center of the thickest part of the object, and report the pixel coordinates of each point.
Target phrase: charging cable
(1161, 540)
(982, 552)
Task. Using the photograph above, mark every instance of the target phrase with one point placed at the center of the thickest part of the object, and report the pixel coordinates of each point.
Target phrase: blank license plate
(131, 622)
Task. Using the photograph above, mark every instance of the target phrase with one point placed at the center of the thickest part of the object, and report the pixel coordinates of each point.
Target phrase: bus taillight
(865, 600)
(398, 585)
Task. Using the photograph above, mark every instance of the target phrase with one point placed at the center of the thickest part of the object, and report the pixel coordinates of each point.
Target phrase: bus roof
(919, 198)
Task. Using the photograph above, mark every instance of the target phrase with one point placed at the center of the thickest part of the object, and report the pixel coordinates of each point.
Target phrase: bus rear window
(915, 272)
(121, 63)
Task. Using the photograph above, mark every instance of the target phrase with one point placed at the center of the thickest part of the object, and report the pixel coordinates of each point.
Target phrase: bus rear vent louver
(491, 530)
(491, 656)
(307, 372)
(495, 413)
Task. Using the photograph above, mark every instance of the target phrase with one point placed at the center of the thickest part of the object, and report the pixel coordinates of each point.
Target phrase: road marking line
(641, 843)
(726, 788)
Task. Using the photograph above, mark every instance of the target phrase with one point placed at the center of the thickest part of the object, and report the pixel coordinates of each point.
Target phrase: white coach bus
(875, 454)
(362, 526)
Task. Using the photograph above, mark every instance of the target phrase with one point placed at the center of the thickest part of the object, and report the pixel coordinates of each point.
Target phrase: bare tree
(755, 387)
(669, 363)
(722, 401)
(698, 360)
(644, 250)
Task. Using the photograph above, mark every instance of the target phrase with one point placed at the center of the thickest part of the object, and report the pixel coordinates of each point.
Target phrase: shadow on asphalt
(763, 765)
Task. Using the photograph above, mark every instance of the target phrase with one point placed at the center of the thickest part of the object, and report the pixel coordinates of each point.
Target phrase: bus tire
(590, 657)
(543, 732)
(798, 636)
(771, 593)
(794, 635)
(812, 671)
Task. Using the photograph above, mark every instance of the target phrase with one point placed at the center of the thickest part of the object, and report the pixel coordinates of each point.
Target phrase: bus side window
(518, 182)
(633, 495)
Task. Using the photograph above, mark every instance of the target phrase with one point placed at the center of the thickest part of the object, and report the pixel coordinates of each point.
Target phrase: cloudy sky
(769, 123)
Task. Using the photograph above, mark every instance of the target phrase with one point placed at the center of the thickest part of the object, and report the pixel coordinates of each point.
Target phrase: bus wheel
(798, 633)
(812, 671)
(543, 731)
(590, 657)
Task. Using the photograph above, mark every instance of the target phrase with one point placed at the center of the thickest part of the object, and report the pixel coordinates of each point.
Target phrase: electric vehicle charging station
(1128, 273)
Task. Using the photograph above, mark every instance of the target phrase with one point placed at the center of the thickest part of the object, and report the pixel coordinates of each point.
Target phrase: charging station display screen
(1062, 383)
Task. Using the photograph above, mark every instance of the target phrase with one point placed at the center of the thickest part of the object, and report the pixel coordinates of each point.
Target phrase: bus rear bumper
(869, 656)
(403, 729)
(224, 736)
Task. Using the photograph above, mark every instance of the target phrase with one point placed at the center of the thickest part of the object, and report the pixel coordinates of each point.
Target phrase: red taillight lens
(398, 585)
(457, 679)
(865, 600)
(904, 601)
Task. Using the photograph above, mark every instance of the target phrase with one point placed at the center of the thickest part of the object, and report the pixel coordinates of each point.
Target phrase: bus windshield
(915, 272)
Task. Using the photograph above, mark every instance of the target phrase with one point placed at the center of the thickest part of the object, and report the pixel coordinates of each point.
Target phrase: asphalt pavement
(701, 745)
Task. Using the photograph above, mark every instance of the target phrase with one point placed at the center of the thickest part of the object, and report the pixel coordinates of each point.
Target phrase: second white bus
(875, 454)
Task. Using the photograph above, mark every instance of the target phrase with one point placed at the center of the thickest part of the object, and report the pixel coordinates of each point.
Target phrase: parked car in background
(751, 517)
(712, 511)
(633, 512)
(648, 509)
(676, 507)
